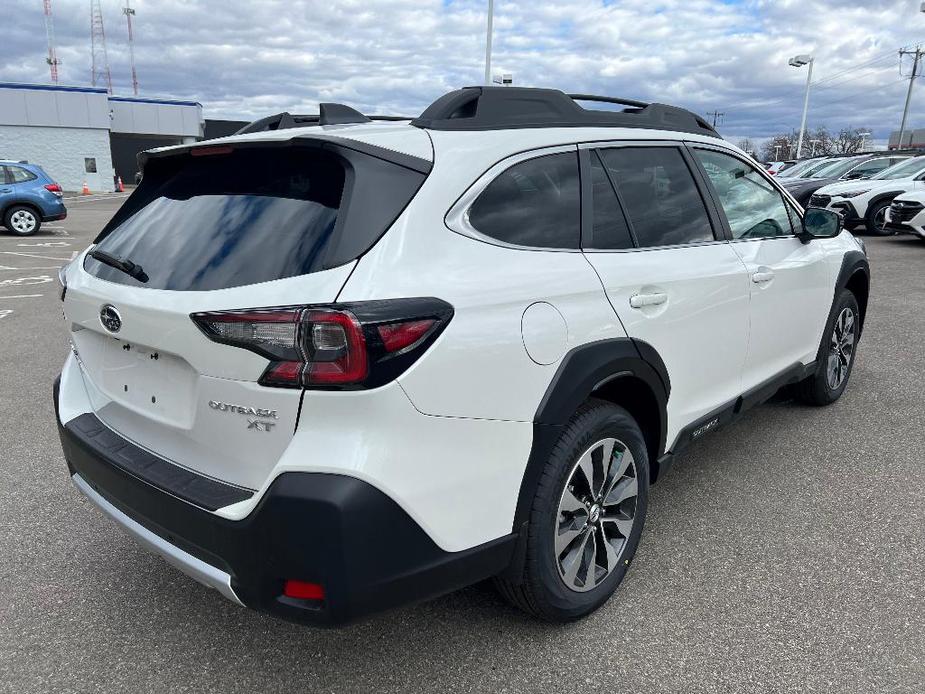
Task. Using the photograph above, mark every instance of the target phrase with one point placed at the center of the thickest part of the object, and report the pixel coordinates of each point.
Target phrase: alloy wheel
(23, 221)
(841, 349)
(596, 514)
(880, 219)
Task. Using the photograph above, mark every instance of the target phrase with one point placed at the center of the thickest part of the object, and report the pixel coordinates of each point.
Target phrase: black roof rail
(330, 114)
(496, 108)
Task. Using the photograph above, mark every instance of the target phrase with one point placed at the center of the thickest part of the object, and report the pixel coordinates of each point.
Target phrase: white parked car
(906, 214)
(865, 202)
(776, 167)
(330, 365)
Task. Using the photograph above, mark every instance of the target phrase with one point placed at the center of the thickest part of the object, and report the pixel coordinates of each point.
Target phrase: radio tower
(50, 33)
(128, 12)
(99, 74)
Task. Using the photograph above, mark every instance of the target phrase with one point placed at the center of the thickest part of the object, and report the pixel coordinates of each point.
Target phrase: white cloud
(246, 59)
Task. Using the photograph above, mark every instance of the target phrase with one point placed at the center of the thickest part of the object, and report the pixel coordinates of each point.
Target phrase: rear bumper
(334, 530)
(57, 217)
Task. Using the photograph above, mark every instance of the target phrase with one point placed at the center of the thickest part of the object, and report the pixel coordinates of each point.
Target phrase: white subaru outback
(331, 365)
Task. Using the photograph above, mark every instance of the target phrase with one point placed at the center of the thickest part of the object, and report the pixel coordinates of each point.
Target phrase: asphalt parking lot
(783, 554)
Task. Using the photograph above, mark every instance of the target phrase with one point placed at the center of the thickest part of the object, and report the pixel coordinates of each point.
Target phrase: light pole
(814, 143)
(800, 61)
(863, 137)
(491, 13)
(776, 152)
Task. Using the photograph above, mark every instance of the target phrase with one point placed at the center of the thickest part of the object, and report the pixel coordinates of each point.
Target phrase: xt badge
(258, 425)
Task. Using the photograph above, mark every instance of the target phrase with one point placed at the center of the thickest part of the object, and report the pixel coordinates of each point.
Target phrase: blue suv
(28, 197)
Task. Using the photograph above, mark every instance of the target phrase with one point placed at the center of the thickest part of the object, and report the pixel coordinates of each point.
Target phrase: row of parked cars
(883, 193)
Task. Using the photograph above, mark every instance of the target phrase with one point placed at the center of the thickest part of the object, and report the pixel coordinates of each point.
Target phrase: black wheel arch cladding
(854, 276)
(583, 371)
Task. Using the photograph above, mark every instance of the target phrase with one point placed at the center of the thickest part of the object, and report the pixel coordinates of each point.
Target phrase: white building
(81, 134)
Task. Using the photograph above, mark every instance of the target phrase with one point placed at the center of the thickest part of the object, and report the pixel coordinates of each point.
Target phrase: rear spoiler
(408, 161)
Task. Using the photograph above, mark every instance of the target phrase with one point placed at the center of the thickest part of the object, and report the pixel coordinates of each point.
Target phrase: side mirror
(819, 223)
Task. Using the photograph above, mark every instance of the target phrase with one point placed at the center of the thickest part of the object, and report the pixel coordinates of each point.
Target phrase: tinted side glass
(661, 199)
(20, 175)
(608, 225)
(753, 207)
(534, 203)
(869, 168)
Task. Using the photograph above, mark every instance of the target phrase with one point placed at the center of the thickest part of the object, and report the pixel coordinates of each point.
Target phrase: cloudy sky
(247, 58)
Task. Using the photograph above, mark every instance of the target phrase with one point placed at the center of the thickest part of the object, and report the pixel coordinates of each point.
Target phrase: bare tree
(780, 147)
(849, 140)
(748, 146)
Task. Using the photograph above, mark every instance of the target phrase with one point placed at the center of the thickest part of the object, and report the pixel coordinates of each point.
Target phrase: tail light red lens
(53, 188)
(398, 336)
(359, 345)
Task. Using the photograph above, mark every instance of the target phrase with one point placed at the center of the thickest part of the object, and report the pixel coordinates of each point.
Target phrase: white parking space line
(44, 244)
(22, 296)
(25, 281)
(92, 198)
(5, 312)
(30, 269)
(33, 255)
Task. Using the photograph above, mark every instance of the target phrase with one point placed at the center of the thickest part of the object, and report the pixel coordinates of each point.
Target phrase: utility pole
(52, 58)
(918, 53)
(129, 12)
(491, 13)
(716, 114)
(99, 71)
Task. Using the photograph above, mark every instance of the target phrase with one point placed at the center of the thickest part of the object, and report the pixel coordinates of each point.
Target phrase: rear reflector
(303, 591)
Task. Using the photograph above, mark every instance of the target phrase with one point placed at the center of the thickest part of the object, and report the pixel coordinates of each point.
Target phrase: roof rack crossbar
(633, 103)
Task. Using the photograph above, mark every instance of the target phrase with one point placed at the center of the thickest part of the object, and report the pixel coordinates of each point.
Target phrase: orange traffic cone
(119, 187)
(85, 190)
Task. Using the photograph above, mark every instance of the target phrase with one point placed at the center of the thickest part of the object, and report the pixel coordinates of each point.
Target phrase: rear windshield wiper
(123, 264)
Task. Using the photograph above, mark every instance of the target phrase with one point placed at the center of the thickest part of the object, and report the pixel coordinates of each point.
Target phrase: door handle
(641, 300)
(762, 276)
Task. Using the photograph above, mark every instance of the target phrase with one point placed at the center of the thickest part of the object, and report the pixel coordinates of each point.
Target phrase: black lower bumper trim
(202, 491)
(338, 531)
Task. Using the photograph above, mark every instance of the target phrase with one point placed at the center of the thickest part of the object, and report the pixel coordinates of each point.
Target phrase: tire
(874, 219)
(22, 220)
(823, 387)
(557, 582)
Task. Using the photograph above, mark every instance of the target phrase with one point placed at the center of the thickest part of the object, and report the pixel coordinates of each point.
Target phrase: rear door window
(253, 215)
(659, 195)
(20, 175)
(533, 203)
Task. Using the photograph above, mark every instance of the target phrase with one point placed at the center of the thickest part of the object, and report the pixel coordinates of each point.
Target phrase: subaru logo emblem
(110, 318)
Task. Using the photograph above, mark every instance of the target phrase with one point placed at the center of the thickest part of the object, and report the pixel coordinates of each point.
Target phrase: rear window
(254, 215)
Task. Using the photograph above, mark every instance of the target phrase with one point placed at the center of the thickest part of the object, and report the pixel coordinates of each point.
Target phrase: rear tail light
(54, 188)
(356, 345)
